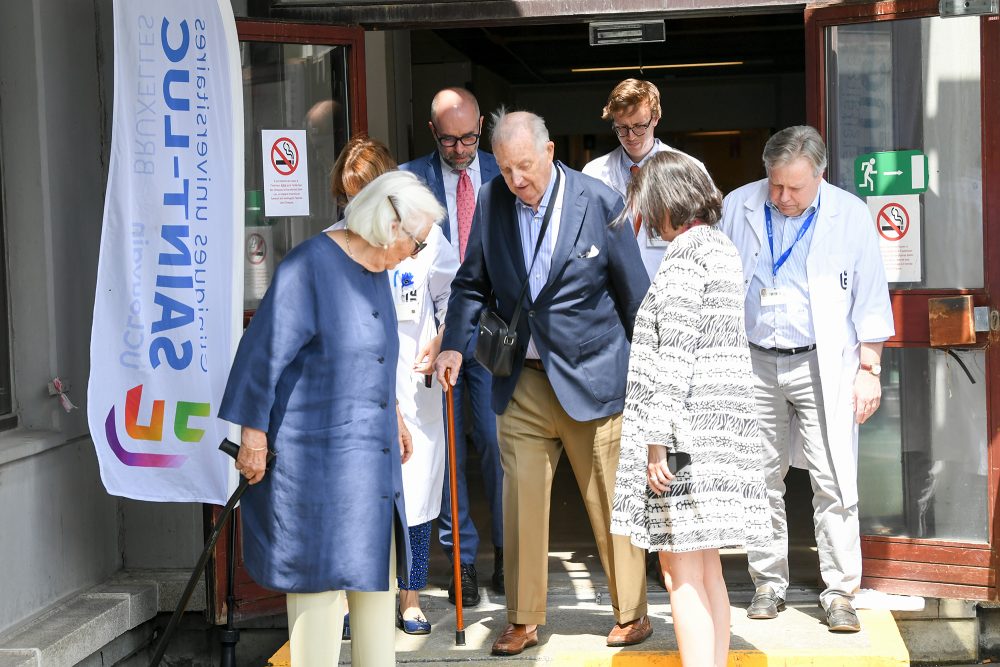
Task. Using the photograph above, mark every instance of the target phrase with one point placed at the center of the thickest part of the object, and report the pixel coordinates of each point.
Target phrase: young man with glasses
(454, 172)
(634, 111)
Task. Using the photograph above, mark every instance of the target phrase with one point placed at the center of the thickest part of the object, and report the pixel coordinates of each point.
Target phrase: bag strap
(550, 207)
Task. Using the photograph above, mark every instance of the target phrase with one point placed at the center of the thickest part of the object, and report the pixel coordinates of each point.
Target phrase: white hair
(507, 124)
(371, 215)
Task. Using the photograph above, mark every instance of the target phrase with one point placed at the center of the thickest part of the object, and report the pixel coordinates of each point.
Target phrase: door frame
(920, 566)
(250, 599)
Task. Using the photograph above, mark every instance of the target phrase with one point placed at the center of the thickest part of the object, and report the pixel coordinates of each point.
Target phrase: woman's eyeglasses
(417, 244)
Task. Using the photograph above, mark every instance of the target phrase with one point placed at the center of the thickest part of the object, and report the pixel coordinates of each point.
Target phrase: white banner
(168, 306)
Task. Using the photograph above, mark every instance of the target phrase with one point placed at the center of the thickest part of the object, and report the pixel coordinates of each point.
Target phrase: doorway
(726, 84)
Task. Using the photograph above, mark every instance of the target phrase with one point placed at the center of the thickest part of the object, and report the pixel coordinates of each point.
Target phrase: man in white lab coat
(817, 313)
(634, 111)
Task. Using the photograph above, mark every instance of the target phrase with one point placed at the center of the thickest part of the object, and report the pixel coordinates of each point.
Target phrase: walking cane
(456, 558)
(232, 449)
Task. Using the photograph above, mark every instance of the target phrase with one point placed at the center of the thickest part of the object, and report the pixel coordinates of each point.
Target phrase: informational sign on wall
(286, 172)
(897, 221)
(891, 173)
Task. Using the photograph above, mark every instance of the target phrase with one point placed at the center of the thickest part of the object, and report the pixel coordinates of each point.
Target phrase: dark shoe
(346, 634)
(765, 604)
(841, 617)
(470, 587)
(497, 580)
(633, 632)
(418, 626)
(515, 638)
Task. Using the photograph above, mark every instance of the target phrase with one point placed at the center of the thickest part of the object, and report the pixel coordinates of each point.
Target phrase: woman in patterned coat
(689, 406)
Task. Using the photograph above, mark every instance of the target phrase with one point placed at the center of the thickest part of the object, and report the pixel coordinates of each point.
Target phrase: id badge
(770, 297)
(407, 299)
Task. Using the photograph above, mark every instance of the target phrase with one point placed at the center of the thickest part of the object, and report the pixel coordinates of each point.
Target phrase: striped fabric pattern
(690, 387)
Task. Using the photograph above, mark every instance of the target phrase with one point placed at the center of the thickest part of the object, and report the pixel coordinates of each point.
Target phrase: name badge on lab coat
(770, 297)
(407, 299)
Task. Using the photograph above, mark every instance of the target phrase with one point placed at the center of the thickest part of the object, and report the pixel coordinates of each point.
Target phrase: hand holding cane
(456, 553)
(232, 449)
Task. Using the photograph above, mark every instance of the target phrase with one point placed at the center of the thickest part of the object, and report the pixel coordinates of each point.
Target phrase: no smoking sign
(284, 156)
(892, 221)
(897, 221)
(285, 163)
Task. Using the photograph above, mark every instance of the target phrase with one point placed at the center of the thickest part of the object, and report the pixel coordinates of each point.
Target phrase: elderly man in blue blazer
(455, 172)
(585, 282)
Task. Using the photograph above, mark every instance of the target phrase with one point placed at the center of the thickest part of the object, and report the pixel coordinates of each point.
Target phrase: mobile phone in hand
(677, 461)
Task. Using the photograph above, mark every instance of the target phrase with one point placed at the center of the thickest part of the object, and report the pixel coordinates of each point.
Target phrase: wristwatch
(875, 369)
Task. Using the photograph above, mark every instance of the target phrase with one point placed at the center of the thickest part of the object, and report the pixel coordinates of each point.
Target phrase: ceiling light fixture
(727, 63)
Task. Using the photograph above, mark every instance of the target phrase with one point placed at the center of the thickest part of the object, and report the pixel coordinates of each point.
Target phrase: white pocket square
(590, 254)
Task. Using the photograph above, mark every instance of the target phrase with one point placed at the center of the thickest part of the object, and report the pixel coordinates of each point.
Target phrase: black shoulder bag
(498, 340)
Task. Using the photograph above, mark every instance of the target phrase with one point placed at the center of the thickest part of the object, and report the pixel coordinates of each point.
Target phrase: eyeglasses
(449, 141)
(637, 130)
(417, 244)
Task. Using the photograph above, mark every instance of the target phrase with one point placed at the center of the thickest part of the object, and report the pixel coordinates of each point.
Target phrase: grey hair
(671, 185)
(792, 143)
(371, 214)
(504, 125)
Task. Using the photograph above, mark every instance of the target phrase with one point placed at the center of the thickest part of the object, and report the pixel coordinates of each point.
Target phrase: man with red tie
(634, 111)
(454, 172)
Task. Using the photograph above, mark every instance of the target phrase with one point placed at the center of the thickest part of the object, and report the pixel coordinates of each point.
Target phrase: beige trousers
(316, 622)
(533, 432)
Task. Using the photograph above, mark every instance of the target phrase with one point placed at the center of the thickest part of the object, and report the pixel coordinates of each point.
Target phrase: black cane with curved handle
(232, 449)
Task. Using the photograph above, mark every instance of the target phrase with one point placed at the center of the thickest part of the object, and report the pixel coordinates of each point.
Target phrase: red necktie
(465, 205)
(638, 219)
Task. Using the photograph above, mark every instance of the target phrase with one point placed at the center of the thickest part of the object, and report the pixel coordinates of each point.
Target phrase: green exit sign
(891, 173)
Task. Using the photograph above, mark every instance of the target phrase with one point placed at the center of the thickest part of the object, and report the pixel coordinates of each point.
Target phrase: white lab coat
(848, 297)
(607, 169)
(431, 272)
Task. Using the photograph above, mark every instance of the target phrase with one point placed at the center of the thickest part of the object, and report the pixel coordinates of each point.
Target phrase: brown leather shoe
(515, 638)
(633, 632)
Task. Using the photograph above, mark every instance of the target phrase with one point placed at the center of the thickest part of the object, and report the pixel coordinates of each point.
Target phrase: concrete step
(578, 625)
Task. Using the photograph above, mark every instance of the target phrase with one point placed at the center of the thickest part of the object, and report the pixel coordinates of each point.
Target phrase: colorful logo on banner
(166, 313)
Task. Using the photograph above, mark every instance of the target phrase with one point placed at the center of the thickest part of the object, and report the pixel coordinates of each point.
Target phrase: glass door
(304, 83)
(899, 94)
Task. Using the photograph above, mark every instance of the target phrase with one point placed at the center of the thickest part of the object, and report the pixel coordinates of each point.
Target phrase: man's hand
(451, 361)
(657, 473)
(405, 439)
(867, 396)
(251, 462)
(424, 363)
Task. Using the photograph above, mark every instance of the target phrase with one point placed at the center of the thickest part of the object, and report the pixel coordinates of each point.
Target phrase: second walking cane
(456, 558)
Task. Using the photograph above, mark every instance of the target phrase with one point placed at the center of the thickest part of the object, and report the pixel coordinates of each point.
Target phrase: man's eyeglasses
(449, 141)
(637, 130)
(417, 244)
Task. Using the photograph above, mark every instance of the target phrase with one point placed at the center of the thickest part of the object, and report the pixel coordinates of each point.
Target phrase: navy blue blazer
(428, 168)
(582, 320)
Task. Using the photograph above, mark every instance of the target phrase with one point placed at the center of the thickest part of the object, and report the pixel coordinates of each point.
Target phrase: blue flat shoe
(346, 635)
(415, 627)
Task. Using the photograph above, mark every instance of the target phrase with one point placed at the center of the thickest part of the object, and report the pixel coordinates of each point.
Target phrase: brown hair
(361, 161)
(629, 94)
(672, 186)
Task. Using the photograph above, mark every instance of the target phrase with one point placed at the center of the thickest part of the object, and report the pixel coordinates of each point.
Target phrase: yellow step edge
(887, 650)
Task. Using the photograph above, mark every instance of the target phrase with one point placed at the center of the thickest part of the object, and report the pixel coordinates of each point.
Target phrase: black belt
(789, 350)
(534, 364)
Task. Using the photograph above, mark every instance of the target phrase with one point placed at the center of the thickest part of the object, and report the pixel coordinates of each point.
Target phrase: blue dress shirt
(529, 223)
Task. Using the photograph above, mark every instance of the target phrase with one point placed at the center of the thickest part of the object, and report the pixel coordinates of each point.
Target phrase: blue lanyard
(776, 264)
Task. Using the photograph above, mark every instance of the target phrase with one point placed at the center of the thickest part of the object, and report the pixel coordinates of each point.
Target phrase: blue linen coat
(316, 370)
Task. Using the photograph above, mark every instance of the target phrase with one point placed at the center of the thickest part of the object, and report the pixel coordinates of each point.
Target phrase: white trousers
(316, 622)
(789, 396)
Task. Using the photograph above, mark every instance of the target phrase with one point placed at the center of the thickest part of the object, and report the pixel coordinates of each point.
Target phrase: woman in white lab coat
(421, 285)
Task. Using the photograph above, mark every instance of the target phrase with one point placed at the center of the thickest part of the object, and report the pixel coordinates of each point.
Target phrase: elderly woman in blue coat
(314, 380)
